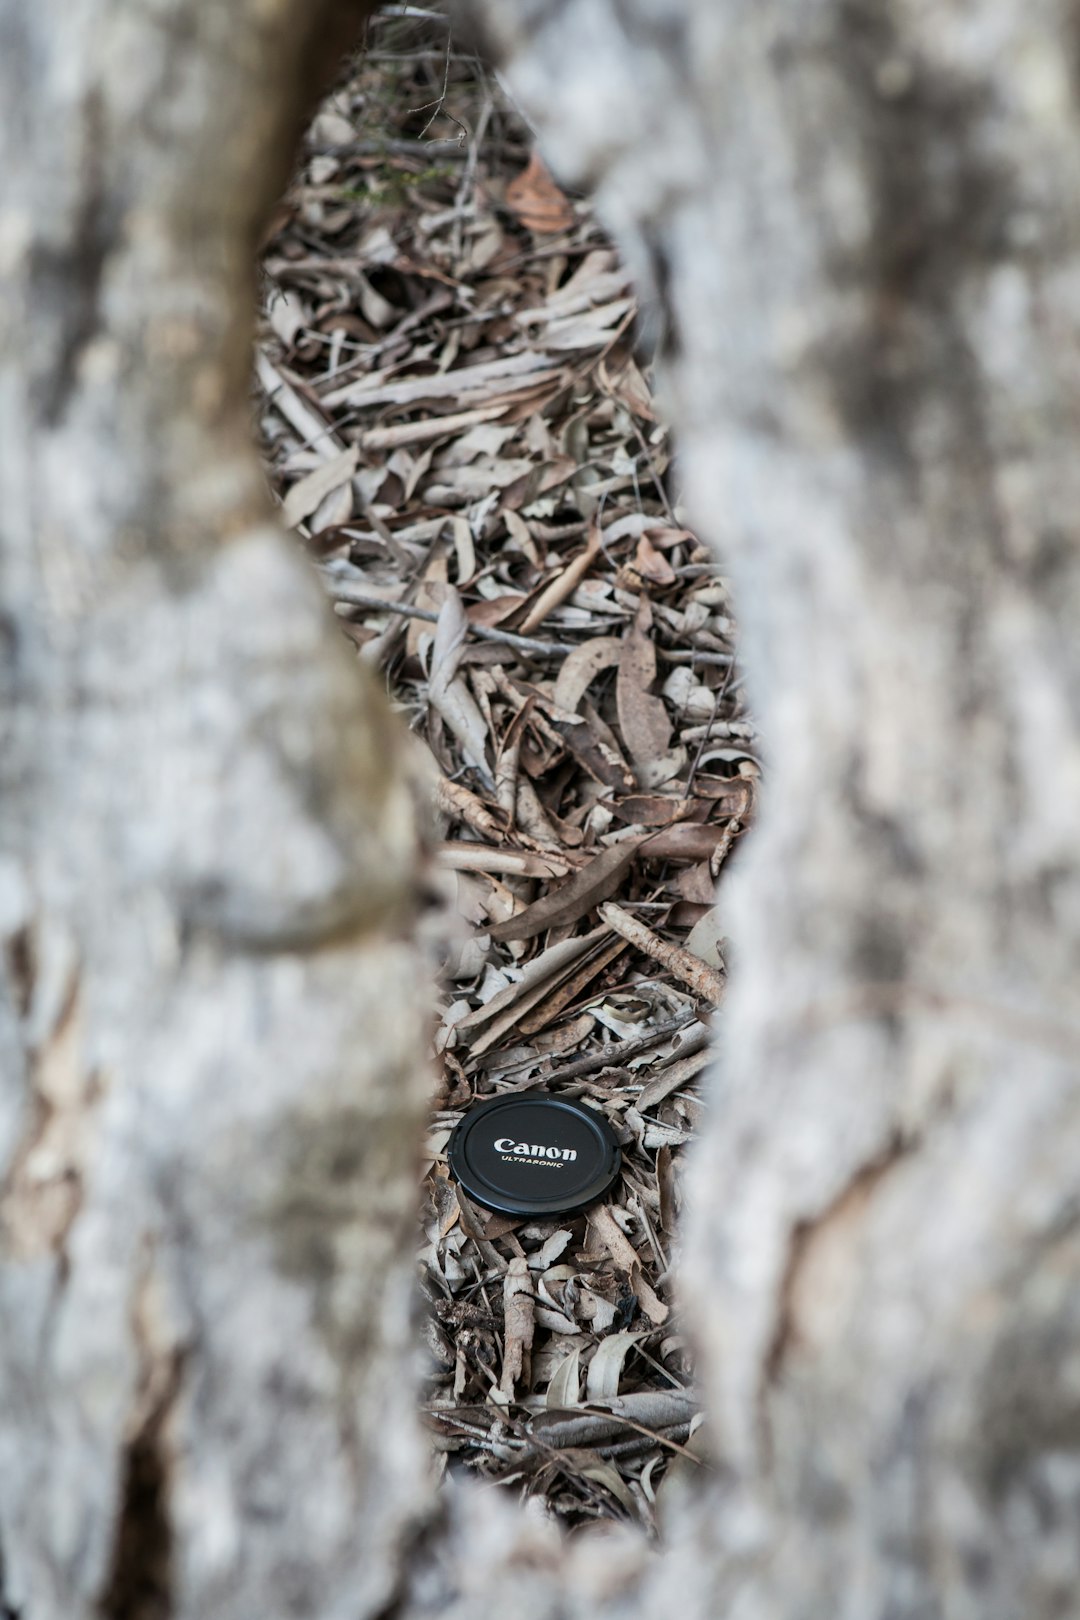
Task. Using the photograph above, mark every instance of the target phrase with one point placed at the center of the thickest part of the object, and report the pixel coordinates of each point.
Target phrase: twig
(409, 11)
(619, 1051)
(313, 430)
(703, 980)
(350, 594)
(661, 1439)
(683, 655)
(721, 694)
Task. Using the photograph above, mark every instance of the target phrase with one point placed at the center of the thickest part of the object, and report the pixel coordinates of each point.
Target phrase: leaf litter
(463, 436)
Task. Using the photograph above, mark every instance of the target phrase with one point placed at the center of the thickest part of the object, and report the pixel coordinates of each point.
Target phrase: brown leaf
(625, 1256)
(447, 692)
(697, 883)
(517, 1323)
(537, 201)
(571, 987)
(306, 496)
(581, 667)
(650, 809)
(563, 585)
(430, 593)
(687, 841)
(603, 764)
(652, 564)
(665, 1186)
(643, 718)
(629, 386)
(579, 894)
(496, 611)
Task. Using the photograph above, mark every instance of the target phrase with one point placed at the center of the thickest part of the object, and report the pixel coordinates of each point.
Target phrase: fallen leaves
(466, 445)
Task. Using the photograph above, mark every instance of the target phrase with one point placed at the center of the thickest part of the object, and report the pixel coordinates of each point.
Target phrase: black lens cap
(531, 1154)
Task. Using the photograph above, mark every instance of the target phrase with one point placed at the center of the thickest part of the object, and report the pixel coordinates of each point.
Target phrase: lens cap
(531, 1154)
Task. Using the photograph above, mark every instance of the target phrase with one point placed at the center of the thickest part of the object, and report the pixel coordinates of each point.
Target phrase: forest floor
(455, 410)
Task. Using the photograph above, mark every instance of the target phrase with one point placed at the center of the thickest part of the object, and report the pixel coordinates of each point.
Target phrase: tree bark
(860, 225)
(856, 228)
(213, 1081)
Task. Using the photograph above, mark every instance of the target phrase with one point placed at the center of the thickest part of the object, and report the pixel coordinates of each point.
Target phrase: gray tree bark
(858, 229)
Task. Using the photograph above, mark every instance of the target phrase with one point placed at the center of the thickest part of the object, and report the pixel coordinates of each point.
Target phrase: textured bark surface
(858, 226)
(212, 1075)
(861, 225)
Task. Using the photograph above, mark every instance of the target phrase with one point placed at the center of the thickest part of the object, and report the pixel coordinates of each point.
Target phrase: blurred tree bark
(857, 230)
(210, 1031)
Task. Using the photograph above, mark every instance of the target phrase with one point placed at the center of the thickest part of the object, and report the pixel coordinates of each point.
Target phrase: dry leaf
(563, 1386)
(537, 201)
(570, 988)
(652, 564)
(629, 387)
(697, 883)
(430, 595)
(305, 496)
(447, 691)
(643, 718)
(625, 1256)
(518, 1325)
(606, 1366)
(557, 959)
(651, 809)
(563, 585)
(705, 937)
(671, 1078)
(333, 510)
(687, 841)
(579, 894)
(581, 667)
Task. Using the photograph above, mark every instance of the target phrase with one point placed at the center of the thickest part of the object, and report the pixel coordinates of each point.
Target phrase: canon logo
(532, 1150)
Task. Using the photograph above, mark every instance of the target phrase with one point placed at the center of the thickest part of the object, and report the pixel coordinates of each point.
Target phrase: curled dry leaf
(688, 841)
(644, 720)
(564, 1384)
(652, 564)
(622, 1251)
(606, 1366)
(447, 691)
(518, 1323)
(581, 667)
(667, 1412)
(537, 201)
